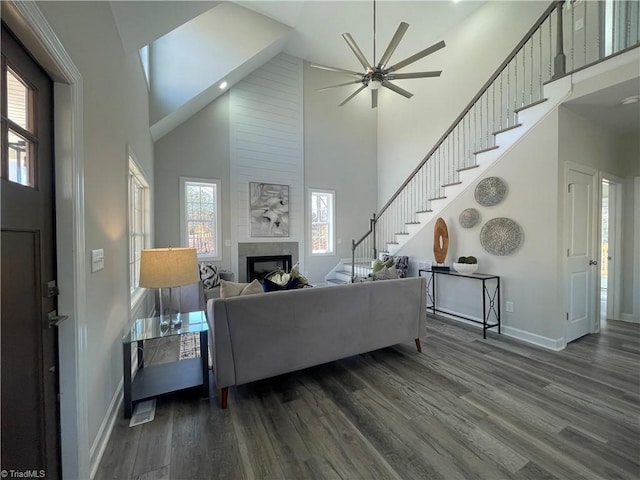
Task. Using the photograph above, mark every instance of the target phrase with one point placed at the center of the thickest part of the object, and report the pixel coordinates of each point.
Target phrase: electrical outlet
(509, 307)
(97, 260)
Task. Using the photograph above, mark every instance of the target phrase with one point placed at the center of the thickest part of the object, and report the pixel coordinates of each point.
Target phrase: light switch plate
(97, 260)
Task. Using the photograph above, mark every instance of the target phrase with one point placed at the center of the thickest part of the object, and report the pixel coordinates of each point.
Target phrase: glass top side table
(154, 380)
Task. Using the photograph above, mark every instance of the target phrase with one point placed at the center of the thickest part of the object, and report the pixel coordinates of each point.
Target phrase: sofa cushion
(269, 286)
(379, 264)
(233, 289)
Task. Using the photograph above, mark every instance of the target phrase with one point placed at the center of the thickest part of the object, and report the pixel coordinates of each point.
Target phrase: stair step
(402, 233)
(335, 281)
(437, 198)
(392, 243)
(412, 223)
(507, 129)
(524, 107)
(424, 211)
(488, 149)
(467, 168)
(451, 184)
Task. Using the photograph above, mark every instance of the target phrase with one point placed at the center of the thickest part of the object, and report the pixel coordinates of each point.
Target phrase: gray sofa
(259, 336)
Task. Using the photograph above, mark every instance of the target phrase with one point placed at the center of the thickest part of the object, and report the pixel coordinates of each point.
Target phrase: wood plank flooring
(464, 408)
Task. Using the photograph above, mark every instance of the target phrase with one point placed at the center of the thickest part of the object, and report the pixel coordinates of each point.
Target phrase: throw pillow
(400, 262)
(233, 289)
(386, 274)
(269, 286)
(380, 264)
(209, 275)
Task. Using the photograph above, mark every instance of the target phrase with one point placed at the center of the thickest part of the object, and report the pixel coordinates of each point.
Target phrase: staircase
(532, 82)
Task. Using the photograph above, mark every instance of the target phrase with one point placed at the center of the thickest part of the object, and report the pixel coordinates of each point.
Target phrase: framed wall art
(269, 209)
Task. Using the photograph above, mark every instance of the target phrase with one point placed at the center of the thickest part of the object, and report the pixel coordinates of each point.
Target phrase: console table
(490, 297)
(154, 380)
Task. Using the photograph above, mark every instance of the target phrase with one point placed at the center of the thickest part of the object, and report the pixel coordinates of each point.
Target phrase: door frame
(29, 24)
(595, 239)
(616, 222)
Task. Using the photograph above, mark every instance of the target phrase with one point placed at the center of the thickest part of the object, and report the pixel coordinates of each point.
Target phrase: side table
(154, 380)
(490, 297)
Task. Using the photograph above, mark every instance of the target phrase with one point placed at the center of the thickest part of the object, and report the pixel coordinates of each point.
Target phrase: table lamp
(168, 268)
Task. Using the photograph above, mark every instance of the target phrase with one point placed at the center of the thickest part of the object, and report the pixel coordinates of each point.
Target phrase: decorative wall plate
(490, 191)
(469, 218)
(501, 236)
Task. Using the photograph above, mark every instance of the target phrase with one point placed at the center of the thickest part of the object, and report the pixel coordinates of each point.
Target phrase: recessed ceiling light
(223, 85)
(631, 100)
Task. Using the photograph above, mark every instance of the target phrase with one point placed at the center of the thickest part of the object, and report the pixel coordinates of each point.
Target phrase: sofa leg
(418, 346)
(224, 393)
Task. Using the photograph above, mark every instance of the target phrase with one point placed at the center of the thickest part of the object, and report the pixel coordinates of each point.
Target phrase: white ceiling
(319, 26)
(604, 107)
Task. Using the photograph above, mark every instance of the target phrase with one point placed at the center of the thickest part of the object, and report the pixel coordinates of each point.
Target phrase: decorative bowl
(465, 268)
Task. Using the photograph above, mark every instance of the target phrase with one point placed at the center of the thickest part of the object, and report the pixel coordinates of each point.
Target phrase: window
(144, 59)
(200, 218)
(139, 225)
(19, 133)
(322, 222)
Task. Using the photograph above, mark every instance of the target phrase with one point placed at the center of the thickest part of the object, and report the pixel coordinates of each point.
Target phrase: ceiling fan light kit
(375, 77)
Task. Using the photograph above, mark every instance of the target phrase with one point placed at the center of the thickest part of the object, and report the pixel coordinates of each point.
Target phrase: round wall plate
(501, 236)
(469, 218)
(490, 191)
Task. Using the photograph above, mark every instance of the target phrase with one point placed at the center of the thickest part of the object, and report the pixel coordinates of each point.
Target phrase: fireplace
(259, 267)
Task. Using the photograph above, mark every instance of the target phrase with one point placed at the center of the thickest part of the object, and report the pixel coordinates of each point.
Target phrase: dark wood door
(29, 406)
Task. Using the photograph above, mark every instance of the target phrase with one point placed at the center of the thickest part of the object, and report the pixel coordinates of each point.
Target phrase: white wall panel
(266, 145)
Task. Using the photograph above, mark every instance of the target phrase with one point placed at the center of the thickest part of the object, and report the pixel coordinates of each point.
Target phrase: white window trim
(138, 294)
(183, 217)
(310, 192)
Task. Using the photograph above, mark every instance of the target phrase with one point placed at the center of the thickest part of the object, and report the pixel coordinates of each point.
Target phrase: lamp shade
(168, 267)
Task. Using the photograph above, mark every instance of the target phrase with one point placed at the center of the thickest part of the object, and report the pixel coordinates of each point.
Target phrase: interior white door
(581, 252)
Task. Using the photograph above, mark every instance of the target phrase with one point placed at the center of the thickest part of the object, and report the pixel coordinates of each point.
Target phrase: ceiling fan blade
(397, 89)
(374, 98)
(393, 44)
(401, 76)
(339, 85)
(356, 50)
(336, 69)
(353, 95)
(416, 57)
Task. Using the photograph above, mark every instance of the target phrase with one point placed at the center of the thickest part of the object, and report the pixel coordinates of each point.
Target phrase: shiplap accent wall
(266, 144)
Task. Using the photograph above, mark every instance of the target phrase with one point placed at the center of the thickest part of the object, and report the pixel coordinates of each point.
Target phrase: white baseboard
(104, 432)
(538, 340)
(629, 317)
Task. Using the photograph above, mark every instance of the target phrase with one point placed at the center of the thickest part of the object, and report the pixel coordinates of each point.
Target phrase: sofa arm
(220, 344)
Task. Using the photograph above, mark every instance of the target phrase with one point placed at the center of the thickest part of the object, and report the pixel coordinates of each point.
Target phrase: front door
(581, 251)
(29, 406)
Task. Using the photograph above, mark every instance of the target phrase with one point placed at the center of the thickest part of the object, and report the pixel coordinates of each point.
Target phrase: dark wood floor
(465, 408)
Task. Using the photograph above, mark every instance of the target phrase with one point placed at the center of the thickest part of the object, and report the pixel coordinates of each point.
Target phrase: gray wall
(115, 116)
(197, 148)
(340, 146)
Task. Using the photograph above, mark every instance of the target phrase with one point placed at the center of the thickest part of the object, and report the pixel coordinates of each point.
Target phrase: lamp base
(171, 320)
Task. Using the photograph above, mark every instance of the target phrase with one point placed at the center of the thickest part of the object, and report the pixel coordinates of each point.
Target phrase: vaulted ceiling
(196, 45)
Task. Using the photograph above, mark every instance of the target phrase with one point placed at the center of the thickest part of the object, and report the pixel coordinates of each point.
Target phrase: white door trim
(614, 299)
(69, 164)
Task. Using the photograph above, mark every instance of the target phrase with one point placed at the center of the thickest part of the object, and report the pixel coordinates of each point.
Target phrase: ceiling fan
(380, 75)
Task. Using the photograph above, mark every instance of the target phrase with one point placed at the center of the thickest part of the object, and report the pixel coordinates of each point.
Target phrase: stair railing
(515, 85)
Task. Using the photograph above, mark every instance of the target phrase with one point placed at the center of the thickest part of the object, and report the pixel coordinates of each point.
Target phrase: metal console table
(490, 297)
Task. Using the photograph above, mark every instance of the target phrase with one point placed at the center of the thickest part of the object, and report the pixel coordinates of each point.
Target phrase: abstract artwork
(440, 240)
(269, 206)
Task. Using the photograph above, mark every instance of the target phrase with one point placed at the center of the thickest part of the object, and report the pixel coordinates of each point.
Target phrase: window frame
(332, 251)
(217, 222)
(136, 178)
